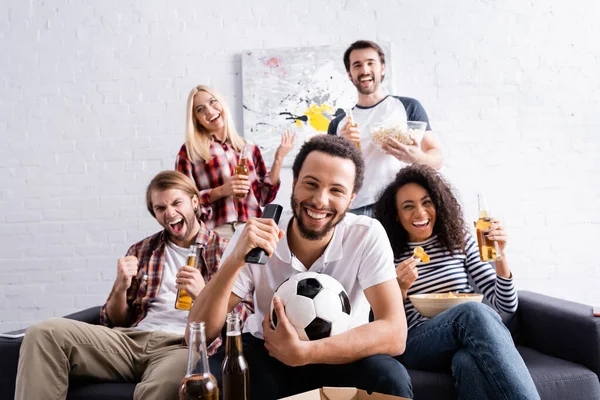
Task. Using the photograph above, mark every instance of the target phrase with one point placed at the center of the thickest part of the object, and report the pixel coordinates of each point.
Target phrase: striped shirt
(214, 173)
(145, 286)
(462, 272)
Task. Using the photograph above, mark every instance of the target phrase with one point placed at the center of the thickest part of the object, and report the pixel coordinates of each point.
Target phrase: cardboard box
(341, 393)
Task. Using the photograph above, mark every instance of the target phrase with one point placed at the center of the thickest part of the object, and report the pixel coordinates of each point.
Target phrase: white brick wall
(92, 101)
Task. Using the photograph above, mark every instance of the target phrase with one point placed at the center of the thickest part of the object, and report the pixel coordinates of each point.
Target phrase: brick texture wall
(92, 99)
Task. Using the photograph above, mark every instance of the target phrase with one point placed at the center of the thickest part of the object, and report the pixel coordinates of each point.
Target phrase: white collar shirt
(358, 256)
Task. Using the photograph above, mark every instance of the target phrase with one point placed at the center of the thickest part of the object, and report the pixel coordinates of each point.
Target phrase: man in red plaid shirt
(141, 336)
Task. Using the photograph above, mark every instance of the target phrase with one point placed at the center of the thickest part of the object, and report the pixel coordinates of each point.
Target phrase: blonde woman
(210, 154)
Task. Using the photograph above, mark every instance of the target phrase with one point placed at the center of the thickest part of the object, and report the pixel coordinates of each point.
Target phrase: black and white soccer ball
(315, 304)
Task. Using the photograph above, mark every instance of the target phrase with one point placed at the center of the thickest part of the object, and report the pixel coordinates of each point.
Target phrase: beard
(188, 221)
(371, 90)
(312, 234)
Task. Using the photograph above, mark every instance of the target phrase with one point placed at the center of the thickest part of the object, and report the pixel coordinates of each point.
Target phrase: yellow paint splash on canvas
(316, 119)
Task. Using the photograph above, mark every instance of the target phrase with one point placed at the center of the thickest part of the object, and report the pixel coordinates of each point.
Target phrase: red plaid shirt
(150, 253)
(209, 175)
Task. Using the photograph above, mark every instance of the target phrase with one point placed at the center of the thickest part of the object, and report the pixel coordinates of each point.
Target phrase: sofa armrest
(560, 328)
(9, 348)
(90, 315)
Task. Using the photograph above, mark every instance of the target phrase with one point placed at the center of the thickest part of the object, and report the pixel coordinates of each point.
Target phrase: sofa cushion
(432, 385)
(100, 391)
(557, 379)
(553, 377)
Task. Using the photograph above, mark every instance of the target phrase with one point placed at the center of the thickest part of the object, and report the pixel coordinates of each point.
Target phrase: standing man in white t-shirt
(317, 236)
(140, 338)
(365, 64)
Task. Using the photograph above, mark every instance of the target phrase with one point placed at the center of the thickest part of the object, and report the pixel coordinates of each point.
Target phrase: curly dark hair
(449, 227)
(335, 146)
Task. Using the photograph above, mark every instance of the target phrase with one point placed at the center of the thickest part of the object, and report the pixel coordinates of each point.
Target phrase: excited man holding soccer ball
(318, 237)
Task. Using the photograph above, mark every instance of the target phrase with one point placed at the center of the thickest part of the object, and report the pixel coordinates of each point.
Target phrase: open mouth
(213, 119)
(177, 225)
(424, 223)
(366, 80)
(316, 214)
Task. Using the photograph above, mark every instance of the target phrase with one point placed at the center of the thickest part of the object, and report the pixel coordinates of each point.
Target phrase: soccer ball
(316, 305)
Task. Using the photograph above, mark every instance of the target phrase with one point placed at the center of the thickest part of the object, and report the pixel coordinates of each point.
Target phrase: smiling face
(322, 194)
(174, 211)
(416, 212)
(208, 112)
(366, 70)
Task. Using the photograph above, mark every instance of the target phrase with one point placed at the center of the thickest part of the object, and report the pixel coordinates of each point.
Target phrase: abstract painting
(300, 89)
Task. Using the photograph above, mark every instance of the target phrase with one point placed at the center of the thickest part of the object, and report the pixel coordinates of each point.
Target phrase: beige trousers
(58, 349)
(228, 229)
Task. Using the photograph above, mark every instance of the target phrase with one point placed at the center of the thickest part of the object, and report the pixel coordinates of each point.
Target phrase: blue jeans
(271, 379)
(471, 340)
(366, 210)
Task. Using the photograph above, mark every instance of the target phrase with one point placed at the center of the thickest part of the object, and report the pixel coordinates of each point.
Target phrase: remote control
(258, 255)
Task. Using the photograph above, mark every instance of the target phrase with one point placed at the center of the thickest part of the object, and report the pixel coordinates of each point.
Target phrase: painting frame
(296, 88)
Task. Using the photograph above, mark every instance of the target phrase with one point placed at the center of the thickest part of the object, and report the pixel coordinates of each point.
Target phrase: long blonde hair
(197, 138)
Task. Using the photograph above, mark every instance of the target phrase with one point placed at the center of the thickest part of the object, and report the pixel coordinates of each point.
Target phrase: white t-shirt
(359, 256)
(380, 168)
(162, 314)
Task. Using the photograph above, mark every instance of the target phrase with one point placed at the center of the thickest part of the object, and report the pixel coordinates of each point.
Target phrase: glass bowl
(409, 132)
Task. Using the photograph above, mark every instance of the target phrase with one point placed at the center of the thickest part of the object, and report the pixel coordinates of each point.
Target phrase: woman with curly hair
(420, 209)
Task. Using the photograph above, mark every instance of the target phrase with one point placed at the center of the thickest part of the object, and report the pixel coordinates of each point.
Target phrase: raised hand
(407, 273)
(127, 268)
(258, 232)
(350, 132)
(497, 233)
(288, 139)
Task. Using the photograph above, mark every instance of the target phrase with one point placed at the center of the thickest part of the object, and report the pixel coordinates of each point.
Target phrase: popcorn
(448, 295)
(407, 133)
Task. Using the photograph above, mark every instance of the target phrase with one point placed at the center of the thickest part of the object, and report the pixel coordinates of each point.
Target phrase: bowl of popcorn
(408, 132)
(431, 304)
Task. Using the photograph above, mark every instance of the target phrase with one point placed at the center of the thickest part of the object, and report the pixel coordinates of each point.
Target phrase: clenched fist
(258, 232)
(127, 268)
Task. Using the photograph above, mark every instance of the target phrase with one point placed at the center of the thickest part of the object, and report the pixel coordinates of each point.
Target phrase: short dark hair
(449, 225)
(336, 146)
(362, 44)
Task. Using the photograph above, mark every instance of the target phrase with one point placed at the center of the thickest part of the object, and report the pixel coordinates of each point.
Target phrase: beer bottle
(183, 301)
(352, 123)
(242, 167)
(198, 383)
(488, 249)
(234, 369)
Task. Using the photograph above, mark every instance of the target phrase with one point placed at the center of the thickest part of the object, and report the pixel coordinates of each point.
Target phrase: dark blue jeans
(471, 340)
(365, 210)
(271, 379)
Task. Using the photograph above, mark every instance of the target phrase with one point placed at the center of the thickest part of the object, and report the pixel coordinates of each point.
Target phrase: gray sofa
(559, 341)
